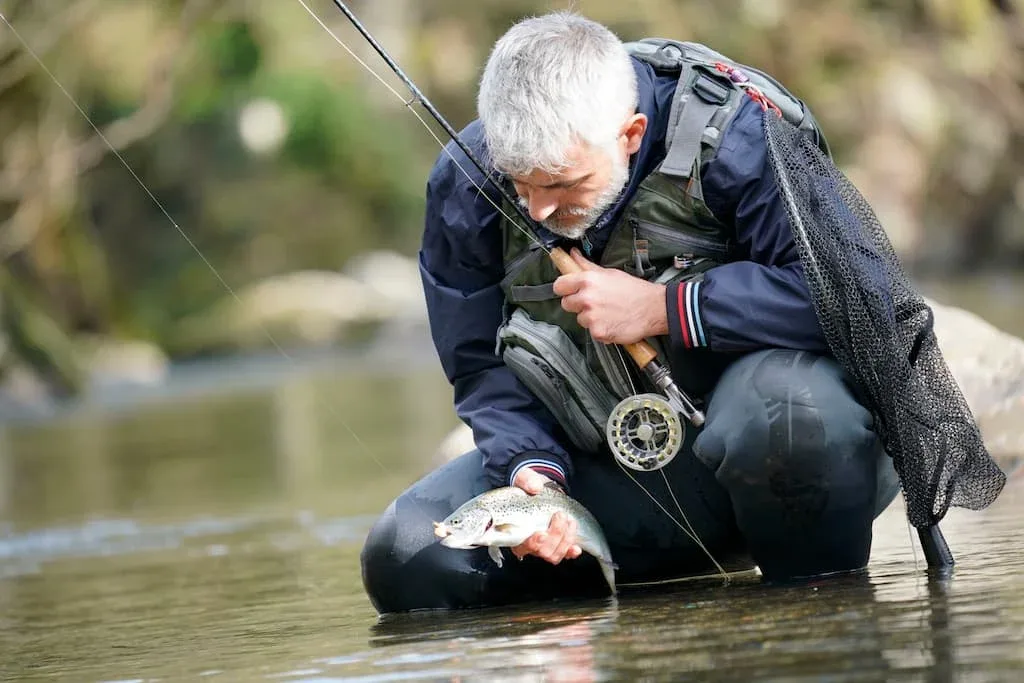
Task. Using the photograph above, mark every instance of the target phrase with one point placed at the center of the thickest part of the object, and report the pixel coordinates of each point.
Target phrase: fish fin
(495, 553)
(608, 569)
(503, 528)
(550, 486)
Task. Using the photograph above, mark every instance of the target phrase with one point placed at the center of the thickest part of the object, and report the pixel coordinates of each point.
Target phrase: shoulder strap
(701, 95)
(706, 98)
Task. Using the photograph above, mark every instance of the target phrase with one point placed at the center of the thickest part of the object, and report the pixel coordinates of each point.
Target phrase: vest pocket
(542, 380)
(545, 359)
(670, 242)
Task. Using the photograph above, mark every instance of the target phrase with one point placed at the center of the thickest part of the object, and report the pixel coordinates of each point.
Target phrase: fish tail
(608, 569)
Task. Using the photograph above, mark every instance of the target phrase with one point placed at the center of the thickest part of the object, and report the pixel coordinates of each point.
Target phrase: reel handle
(641, 352)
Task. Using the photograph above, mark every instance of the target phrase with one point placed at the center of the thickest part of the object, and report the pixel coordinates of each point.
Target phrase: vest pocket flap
(568, 364)
(544, 383)
(526, 293)
(665, 241)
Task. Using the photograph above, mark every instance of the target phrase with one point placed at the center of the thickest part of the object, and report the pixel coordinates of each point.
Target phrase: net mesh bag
(880, 330)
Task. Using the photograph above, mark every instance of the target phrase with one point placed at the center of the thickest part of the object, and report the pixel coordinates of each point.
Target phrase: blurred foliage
(923, 102)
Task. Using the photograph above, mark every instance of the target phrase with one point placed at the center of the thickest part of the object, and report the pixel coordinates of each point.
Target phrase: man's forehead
(543, 179)
(579, 165)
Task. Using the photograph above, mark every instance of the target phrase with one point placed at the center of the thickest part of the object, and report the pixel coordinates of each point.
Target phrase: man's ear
(633, 130)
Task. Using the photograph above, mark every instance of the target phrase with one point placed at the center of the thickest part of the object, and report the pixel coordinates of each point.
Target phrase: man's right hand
(559, 541)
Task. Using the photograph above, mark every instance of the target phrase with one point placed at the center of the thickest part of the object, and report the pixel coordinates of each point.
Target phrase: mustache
(560, 213)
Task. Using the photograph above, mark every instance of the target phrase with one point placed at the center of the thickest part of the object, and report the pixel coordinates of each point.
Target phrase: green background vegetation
(923, 103)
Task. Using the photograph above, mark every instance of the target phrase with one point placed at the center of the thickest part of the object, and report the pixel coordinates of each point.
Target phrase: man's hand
(559, 541)
(614, 306)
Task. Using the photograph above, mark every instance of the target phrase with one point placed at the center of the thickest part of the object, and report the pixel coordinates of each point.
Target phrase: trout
(507, 516)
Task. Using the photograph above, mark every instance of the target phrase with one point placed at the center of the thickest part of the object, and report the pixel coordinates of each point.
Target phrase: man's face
(568, 203)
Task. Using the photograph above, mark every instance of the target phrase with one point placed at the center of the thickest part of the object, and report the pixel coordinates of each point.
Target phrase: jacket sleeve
(762, 300)
(461, 269)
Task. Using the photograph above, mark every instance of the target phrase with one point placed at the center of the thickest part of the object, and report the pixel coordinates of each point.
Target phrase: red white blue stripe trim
(549, 469)
(690, 322)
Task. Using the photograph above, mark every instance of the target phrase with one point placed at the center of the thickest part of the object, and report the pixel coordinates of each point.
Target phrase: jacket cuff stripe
(690, 321)
(549, 469)
(700, 340)
(682, 316)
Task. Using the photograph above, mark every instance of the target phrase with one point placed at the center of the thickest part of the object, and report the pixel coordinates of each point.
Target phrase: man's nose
(541, 204)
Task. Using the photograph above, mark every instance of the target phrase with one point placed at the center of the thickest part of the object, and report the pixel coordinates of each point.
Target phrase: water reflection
(218, 537)
(542, 642)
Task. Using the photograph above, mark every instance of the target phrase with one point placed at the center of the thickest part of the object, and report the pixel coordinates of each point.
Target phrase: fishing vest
(666, 234)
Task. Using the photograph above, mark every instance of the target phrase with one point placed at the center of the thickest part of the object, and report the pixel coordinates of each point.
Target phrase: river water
(213, 533)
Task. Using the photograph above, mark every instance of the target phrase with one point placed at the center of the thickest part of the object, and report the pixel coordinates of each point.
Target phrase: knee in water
(769, 419)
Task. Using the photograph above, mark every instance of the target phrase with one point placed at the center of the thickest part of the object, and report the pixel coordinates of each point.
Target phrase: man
(787, 473)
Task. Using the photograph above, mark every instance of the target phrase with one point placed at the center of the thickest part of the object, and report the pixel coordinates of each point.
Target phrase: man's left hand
(616, 307)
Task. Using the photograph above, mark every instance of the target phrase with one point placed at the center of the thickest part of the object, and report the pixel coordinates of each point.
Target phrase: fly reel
(644, 432)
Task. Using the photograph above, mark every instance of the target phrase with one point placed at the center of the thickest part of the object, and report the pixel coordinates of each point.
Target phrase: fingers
(573, 303)
(555, 544)
(564, 285)
(580, 259)
(565, 541)
(530, 481)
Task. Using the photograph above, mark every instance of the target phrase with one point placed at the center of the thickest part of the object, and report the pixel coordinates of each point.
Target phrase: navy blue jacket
(756, 302)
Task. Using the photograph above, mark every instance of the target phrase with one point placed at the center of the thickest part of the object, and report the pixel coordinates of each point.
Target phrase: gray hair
(551, 82)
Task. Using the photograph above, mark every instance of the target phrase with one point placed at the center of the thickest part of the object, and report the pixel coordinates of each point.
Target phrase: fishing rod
(642, 352)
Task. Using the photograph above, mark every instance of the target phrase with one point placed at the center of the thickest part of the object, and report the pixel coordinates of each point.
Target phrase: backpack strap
(701, 95)
(707, 96)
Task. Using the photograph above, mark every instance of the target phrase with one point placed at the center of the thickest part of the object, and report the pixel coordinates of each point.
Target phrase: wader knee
(794, 449)
(403, 567)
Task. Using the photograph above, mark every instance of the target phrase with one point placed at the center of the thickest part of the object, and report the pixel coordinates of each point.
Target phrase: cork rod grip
(641, 352)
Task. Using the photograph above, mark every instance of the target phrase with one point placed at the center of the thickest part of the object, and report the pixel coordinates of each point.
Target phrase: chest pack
(666, 234)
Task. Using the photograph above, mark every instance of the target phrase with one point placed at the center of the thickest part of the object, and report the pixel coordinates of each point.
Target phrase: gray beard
(607, 197)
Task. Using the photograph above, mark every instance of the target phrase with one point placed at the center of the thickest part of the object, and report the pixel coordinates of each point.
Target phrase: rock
(393, 278)
(24, 396)
(120, 362)
(296, 309)
(458, 441)
(988, 364)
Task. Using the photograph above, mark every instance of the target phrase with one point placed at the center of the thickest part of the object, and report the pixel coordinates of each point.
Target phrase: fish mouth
(451, 539)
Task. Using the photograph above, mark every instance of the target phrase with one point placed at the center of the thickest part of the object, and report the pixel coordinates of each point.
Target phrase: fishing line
(693, 532)
(662, 508)
(689, 529)
(913, 546)
(181, 231)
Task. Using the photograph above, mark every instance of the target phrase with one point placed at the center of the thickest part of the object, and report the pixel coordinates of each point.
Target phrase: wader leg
(795, 450)
(405, 568)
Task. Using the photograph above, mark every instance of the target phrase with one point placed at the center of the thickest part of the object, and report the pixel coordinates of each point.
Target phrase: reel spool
(644, 432)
